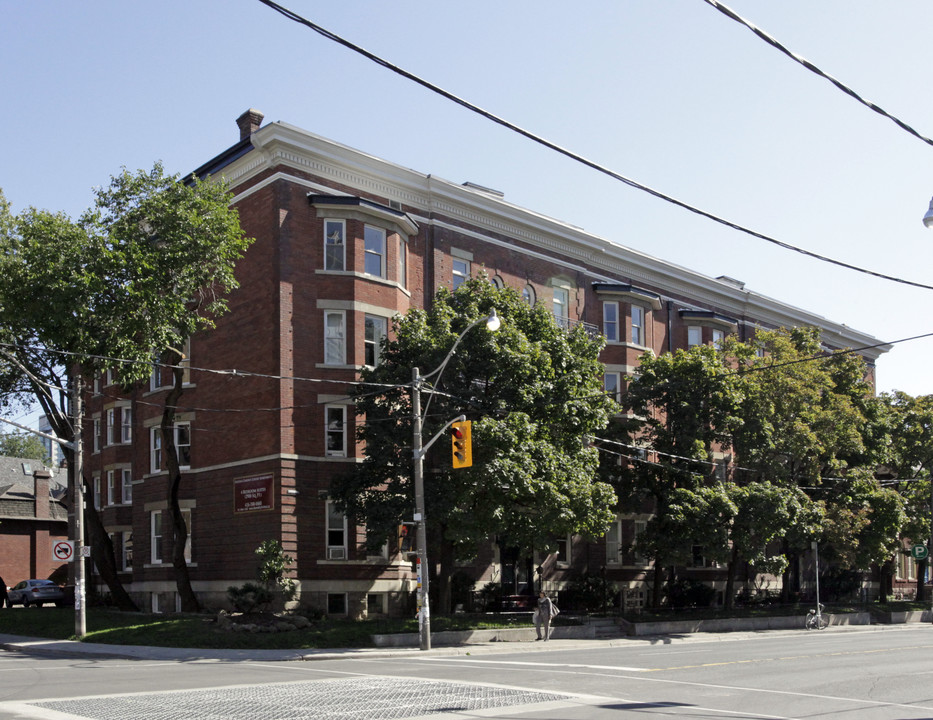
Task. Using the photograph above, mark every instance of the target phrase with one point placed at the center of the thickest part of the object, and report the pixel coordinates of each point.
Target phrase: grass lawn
(200, 631)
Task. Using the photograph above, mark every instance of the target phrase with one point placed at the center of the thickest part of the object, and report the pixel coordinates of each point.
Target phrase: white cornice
(281, 144)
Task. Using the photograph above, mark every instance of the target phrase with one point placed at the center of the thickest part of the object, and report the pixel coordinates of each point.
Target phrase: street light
(418, 452)
(928, 218)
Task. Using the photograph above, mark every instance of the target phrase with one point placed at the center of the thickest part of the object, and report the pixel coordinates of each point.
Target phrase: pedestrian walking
(544, 613)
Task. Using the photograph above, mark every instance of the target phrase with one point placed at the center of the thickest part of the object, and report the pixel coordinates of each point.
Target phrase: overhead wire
(573, 155)
(729, 12)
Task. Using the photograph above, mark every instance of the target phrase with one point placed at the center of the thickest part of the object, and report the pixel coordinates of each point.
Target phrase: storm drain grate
(359, 698)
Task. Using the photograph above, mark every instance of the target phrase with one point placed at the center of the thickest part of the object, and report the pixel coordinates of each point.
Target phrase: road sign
(919, 552)
(63, 551)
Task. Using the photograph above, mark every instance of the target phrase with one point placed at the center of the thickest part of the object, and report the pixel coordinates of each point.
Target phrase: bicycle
(815, 618)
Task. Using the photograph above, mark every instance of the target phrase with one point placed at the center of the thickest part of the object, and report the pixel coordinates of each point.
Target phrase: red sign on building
(253, 493)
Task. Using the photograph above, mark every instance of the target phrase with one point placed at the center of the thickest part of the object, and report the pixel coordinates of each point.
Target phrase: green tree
(23, 445)
(683, 407)
(533, 391)
(147, 266)
(907, 441)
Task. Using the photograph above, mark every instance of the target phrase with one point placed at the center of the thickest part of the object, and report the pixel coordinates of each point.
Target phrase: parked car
(36, 592)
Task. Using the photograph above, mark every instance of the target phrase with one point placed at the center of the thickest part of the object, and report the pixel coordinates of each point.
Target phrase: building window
(96, 431)
(126, 486)
(336, 603)
(718, 337)
(183, 444)
(336, 533)
(155, 449)
(528, 295)
(640, 527)
(335, 338)
(96, 492)
(375, 604)
(374, 242)
(638, 325)
(182, 447)
(564, 547)
(335, 232)
(336, 420)
(127, 550)
(111, 487)
(694, 335)
(614, 543)
(612, 385)
(375, 331)
(611, 321)
(561, 306)
(186, 514)
(461, 271)
(402, 262)
(126, 425)
(111, 425)
(155, 537)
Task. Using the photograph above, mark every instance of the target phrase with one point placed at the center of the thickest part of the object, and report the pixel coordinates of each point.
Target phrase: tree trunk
(189, 601)
(657, 585)
(729, 600)
(105, 560)
(443, 578)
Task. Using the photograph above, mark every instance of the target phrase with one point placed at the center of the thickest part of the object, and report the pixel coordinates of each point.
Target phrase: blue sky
(670, 93)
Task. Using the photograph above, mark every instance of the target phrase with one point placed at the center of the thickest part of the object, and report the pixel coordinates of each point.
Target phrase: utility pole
(424, 603)
(77, 388)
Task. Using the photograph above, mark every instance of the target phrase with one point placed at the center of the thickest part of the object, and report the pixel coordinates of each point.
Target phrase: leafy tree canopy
(23, 445)
(534, 392)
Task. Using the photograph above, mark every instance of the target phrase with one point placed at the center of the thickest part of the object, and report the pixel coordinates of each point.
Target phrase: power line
(572, 155)
(728, 12)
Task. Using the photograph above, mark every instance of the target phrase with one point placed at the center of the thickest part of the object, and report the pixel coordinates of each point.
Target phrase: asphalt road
(876, 673)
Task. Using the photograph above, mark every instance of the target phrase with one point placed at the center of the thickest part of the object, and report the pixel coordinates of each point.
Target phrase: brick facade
(299, 319)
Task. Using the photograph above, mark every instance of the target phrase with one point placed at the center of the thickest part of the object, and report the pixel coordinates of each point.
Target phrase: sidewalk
(44, 646)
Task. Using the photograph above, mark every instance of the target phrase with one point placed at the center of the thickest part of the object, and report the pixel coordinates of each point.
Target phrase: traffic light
(406, 538)
(461, 444)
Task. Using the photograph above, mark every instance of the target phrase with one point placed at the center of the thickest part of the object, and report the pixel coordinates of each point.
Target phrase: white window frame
(155, 449)
(95, 482)
(611, 320)
(335, 529)
(334, 260)
(694, 335)
(639, 323)
(111, 487)
(718, 336)
(126, 424)
(335, 338)
(373, 345)
(126, 486)
(614, 542)
(156, 531)
(402, 262)
(612, 385)
(96, 432)
(529, 295)
(110, 422)
(183, 449)
(460, 272)
(374, 250)
(126, 550)
(561, 306)
(335, 426)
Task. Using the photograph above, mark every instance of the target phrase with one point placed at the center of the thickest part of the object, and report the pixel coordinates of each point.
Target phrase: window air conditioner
(336, 553)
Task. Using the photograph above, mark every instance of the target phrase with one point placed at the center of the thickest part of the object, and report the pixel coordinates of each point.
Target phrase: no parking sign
(63, 550)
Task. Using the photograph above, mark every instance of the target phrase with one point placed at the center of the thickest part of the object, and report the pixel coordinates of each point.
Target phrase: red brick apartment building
(344, 241)
(33, 517)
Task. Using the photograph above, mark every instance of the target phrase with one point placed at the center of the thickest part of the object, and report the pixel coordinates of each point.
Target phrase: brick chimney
(249, 123)
(42, 478)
